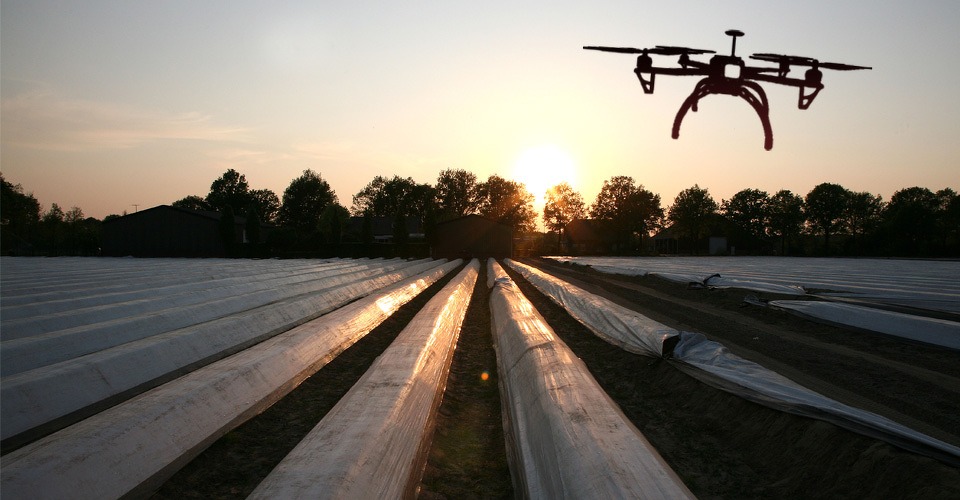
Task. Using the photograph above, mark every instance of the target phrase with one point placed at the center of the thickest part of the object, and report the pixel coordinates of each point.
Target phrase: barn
(166, 231)
(471, 236)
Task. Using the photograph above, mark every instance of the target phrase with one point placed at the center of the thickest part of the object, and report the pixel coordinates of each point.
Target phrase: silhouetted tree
(863, 217)
(506, 202)
(333, 219)
(192, 202)
(252, 225)
(948, 221)
(230, 190)
(304, 201)
(267, 203)
(19, 218)
(825, 207)
(384, 197)
(691, 213)
(228, 229)
(748, 211)
(456, 193)
(785, 217)
(911, 220)
(628, 208)
(562, 205)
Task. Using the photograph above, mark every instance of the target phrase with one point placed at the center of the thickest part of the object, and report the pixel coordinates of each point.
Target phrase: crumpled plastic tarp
(35, 397)
(940, 332)
(565, 437)
(373, 443)
(130, 446)
(713, 364)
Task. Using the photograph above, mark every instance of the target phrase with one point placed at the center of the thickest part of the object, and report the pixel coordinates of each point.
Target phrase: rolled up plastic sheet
(137, 444)
(934, 331)
(63, 390)
(711, 363)
(70, 334)
(611, 322)
(373, 443)
(565, 437)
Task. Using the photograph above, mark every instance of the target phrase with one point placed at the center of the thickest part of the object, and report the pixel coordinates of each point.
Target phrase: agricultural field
(230, 378)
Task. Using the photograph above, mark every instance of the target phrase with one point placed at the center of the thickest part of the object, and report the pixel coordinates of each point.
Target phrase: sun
(542, 167)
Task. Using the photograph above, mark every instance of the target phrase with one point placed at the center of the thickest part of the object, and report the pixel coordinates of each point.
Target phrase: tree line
(828, 220)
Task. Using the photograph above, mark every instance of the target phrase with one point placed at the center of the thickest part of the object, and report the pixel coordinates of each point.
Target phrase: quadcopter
(730, 76)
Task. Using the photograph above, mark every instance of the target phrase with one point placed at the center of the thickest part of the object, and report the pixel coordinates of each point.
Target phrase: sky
(114, 106)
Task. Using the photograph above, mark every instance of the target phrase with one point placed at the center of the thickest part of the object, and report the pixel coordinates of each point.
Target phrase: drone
(729, 75)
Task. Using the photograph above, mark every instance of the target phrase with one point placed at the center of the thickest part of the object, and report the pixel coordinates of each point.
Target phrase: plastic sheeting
(36, 397)
(133, 445)
(922, 284)
(373, 443)
(65, 329)
(565, 437)
(928, 330)
(611, 322)
(713, 364)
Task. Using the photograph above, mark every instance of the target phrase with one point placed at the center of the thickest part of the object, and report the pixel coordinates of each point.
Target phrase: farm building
(381, 229)
(165, 231)
(472, 236)
(587, 237)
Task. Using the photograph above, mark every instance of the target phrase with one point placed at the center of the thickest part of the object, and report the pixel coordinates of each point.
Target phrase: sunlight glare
(542, 167)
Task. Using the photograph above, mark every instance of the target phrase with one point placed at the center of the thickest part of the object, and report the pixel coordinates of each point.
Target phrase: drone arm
(805, 98)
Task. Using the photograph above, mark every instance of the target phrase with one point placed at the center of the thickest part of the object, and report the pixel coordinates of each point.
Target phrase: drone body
(729, 75)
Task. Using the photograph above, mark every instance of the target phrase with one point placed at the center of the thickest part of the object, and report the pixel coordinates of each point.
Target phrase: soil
(721, 446)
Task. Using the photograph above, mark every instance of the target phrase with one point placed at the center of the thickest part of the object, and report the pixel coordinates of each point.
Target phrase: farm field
(60, 317)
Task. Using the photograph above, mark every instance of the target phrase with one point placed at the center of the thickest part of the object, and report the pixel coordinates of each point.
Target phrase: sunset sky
(111, 104)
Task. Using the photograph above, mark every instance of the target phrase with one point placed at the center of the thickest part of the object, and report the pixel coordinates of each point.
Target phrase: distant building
(165, 231)
(588, 237)
(382, 229)
(472, 236)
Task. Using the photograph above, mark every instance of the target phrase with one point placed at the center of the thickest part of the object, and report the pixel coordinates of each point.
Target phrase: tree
(863, 217)
(333, 219)
(691, 212)
(252, 225)
(825, 207)
(748, 210)
(230, 190)
(785, 217)
(192, 202)
(267, 204)
(562, 205)
(384, 197)
(456, 193)
(627, 207)
(228, 229)
(911, 220)
(948, 221)
(304, 201)
(19, 217)
(506, 202)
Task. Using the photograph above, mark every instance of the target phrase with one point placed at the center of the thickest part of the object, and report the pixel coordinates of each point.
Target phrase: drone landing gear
(748, 91)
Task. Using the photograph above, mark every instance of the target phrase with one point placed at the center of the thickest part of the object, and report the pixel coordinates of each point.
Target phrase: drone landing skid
(748, 91)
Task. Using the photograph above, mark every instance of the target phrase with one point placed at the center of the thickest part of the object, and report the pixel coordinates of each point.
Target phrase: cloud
(44, 119)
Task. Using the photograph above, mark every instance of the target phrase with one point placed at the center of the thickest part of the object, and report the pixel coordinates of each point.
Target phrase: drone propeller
(668, 50)
(785, 60)
(661, 50)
